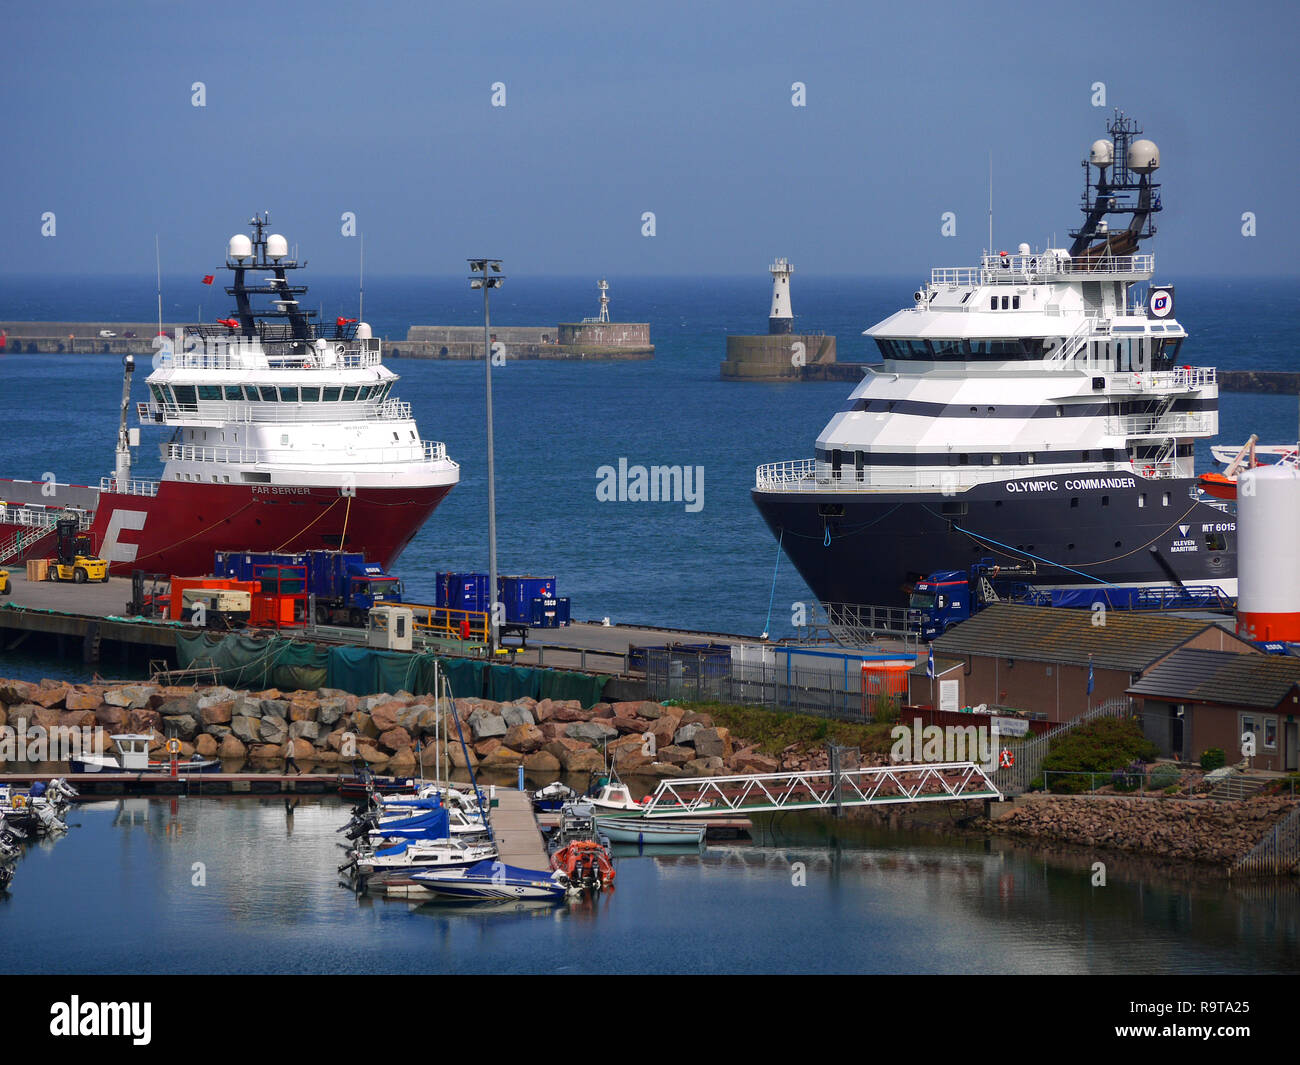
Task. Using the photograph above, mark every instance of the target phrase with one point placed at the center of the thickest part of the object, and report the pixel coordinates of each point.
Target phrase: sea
(249, 885)
(711, 567)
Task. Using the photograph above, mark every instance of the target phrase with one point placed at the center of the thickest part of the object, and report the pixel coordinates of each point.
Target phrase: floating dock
(514, 828)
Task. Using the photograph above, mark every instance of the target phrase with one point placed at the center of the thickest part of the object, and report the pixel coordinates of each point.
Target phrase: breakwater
(332, 727)
(1208, 831)
(565, 341)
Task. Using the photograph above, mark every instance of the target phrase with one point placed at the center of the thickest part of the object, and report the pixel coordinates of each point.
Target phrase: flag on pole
(929, 664)
(209, 278)
(1090, 677)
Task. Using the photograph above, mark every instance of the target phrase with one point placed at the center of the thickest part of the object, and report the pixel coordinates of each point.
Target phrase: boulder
(364, 725)
(303, 751)
(663, 769)
(247, 706)
(502, 758)
(569, 712)
(395, 739)
(663, 729)
(180, 725)
(591, 731)
(541, 762)
(692, 718)
(76, 719)
(524, 738)
(371, 755)
(303, 710)
(304, 730)
(484, 724)
(246, 728)
(50, 695)
(631, 759)
(206, 746)
(601, 710)
(218, 694)
(582, 761)
(675, 755)
(753, 762)
(266, 752)
(83, 698)
(648, 710)
(543, 711)
(273, 729)
(217, 713)
(402, 763)
(143, 721)
(456, 756)
(16, 691)
(686, 734)
(485, 747)
(628, 724)
(112, 718)
(552, 730)
(331, 709)
(275, 708)
(231, 749)
(426, 723)
(385, 715)
(712, 742)
(514, 714)
(703, 767)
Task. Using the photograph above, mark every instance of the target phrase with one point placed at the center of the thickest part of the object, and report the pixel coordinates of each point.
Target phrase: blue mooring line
(1036, 558)
(827, 541)
(772, 598)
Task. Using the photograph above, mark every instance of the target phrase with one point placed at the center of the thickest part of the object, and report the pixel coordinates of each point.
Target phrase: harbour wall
(778, 357)
(568, 340)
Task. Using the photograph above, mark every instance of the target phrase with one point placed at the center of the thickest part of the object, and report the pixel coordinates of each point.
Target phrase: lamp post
(486, 274)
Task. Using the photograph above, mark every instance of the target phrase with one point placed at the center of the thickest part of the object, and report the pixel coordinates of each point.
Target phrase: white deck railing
(130, 488)
(424, 451)
(1019, 269)
(272, 412)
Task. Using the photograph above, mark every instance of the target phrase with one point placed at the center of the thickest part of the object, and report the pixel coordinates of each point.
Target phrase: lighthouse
(780, 322)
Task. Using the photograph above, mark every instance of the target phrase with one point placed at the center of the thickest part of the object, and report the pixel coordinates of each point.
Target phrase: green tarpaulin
(244, 662)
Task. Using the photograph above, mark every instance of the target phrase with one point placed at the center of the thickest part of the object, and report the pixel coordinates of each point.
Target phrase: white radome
(277, 247)
(1143, 156)
(241, 248)
(1102, 153)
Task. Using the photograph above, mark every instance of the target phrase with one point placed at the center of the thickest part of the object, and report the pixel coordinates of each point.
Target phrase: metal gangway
(824, 789)
(858, 625)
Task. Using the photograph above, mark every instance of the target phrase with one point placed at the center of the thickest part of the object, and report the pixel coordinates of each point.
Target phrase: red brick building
(1037, 658)
(1196, 700)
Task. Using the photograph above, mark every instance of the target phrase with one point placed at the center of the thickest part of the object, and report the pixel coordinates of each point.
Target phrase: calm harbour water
(874, 901)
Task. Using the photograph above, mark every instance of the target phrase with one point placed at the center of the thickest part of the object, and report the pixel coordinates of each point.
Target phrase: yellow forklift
(75, 562)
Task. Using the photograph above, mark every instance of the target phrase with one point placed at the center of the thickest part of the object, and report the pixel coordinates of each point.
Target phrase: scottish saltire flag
(929, 664)
(1090, 677)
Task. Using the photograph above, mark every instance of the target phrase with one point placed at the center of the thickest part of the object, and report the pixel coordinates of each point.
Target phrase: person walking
(289, 759)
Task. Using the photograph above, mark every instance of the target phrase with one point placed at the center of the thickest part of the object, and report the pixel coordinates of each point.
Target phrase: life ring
(173, 746)
(20, 801)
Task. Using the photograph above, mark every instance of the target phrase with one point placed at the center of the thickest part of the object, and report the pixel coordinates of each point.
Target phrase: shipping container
(517, 595)
(462, 591)
(549, 613)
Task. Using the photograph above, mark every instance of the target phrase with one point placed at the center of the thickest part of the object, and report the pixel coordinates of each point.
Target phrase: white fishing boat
(416, 854)
(131, 755)
(494, 881)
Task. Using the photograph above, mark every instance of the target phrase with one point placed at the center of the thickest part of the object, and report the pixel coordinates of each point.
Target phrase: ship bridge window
(993, 303)
(1004, 302)
(252, 394)
(207, 392)
(331, 395)
(268, 393)
(289, 394)
(159, 396)
(349, 394)
(185, 395)
(234, 394)
(1015, 303)
(310, 395)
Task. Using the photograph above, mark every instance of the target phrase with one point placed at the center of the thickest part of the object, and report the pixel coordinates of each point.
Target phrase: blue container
(463, 591)
(550, 613)
(518, 593)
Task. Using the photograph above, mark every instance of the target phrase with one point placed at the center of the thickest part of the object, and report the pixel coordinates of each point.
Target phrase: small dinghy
(551, 799)
(651, 833)
(495, 881)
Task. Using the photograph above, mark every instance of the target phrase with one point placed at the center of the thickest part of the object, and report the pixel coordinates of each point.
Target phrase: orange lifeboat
(1218, 485)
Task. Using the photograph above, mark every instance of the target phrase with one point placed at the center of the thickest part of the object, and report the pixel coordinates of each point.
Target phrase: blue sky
(615, 109)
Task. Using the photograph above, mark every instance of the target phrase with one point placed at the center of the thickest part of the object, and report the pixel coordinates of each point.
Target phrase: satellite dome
(241, 248)
(277, 247)
(1102, 153)
(1023, 249)
(1143, 156)
(363, 331)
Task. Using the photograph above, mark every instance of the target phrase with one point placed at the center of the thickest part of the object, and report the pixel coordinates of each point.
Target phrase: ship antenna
(157, 259)
(361, 286)
(990, 201)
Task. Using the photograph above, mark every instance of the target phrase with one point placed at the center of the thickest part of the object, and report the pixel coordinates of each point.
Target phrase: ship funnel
(1143, 156)
(1102, 154)
(277, 247)
(240, 248)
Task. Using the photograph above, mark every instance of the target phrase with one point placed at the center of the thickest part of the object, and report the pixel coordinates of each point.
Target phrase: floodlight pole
(481, 271)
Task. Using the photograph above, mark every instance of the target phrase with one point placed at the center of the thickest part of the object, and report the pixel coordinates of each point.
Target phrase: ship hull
(177, 531)
(882, 542)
